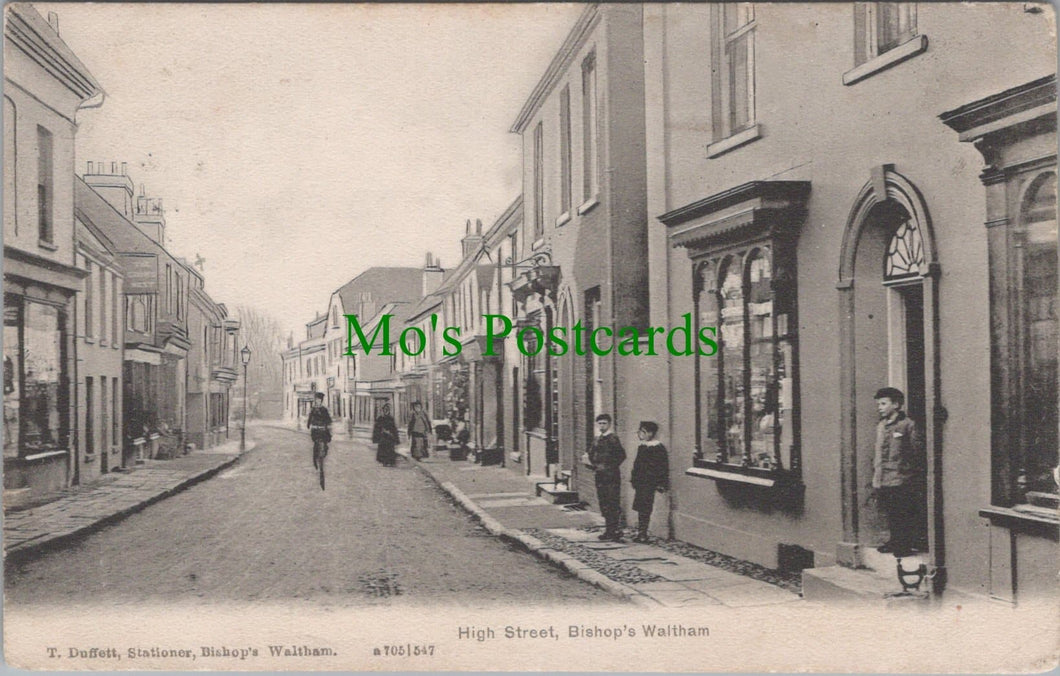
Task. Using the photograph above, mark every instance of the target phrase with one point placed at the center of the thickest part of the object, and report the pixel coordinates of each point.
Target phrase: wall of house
(816, 129)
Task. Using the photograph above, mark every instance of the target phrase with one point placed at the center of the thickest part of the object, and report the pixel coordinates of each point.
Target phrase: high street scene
(473, 337)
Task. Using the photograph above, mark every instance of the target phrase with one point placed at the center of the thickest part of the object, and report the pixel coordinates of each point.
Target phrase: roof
(97, 212)
(384, 284)
(32, 33)
(560, 62)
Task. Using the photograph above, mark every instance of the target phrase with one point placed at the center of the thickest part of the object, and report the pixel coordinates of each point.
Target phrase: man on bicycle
(319, 425)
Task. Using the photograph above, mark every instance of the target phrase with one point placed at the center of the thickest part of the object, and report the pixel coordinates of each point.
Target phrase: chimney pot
(124, 168)
(53, 21)
(113, 167)
(478, 226)
(89, 167)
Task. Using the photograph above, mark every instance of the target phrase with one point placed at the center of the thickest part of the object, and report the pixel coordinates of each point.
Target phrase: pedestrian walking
(898, 475)
(651, 473)
(419, 428)
(385, 435)
(604, 457)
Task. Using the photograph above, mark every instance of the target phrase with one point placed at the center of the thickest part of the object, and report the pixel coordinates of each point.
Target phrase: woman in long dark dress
(385, 434)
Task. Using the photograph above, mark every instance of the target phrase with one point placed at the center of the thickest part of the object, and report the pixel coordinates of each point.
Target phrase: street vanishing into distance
(262, 530)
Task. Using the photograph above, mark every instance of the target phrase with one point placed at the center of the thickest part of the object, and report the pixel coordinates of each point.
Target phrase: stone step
(557, 496)
(842, 584)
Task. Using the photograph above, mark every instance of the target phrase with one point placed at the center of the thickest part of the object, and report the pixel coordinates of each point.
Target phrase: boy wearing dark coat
(651, 473)
(604, 457)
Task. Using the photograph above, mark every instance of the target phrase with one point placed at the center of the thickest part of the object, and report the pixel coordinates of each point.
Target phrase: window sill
(738, 474)
(588, 205)
(538, 243)
(735, 141)
(90, 458)
(90, 340)
(537, 434)
(563, 219)
(47, 246)
(1044, 523)
(892, 57)
(45, 455)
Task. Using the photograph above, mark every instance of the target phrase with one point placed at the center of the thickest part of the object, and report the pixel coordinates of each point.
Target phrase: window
(115, 421)
(45, 186)
(539, 183)
(35, 385)
(114, 295)
(102, 305)
(565, 189)
(590, 141)
(10, 164)
(744, 400)
(90, 413)
(1037, 330)
(879, 27)
(169, 289)
(733, 74)
(744, 392)
(885, 34)
(90, 283)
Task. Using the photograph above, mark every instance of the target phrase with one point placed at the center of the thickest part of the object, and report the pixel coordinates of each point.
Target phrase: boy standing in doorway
(604, 457)
(898, 475)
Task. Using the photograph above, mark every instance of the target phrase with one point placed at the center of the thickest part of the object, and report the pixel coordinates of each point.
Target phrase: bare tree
(263, 335)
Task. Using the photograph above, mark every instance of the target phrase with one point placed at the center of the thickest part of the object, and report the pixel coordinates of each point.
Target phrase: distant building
(100, 345)
(45, 85)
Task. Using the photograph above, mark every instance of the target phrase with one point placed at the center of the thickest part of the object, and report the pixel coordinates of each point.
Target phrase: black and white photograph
(662, 337)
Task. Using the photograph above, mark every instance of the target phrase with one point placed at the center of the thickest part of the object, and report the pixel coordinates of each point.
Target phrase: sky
(295, 146)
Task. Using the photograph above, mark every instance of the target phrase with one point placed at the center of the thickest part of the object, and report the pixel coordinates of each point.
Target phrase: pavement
(74, 512)
(646, 574)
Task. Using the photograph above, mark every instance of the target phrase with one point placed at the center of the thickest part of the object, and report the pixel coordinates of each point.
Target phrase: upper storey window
(885, 34)
(732, 75)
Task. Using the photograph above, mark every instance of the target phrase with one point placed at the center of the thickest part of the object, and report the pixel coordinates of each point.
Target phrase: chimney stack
(116, 188)
(53, 21)
(432, 274)
(472, 241)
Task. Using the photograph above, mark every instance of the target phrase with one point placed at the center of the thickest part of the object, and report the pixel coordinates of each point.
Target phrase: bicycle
(320, 451)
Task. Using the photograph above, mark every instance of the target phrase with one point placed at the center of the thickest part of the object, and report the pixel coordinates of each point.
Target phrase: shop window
(1036, 461)
(744, 393)
(34, 378)
(744, 402)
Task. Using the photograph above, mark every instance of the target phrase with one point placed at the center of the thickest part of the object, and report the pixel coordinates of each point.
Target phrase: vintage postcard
(530, 337)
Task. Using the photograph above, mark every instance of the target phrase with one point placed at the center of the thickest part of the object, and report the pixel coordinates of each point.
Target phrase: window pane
(43, 371)
(1040, 323)
(739, 82)
(708, 366)
(732, 362)
(895, 24)
(760, 354)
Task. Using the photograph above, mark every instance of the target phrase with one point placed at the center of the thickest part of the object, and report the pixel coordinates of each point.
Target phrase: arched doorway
(888, 337)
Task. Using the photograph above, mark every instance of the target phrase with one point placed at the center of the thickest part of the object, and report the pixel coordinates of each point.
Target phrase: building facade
(213, 365)
(841, 248)
(584, 232)
(100, 349)
(45, 85)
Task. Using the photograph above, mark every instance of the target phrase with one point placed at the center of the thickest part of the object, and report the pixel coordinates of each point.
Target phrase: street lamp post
(244, 355)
